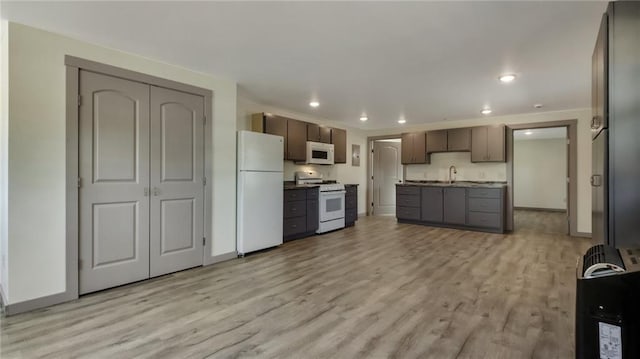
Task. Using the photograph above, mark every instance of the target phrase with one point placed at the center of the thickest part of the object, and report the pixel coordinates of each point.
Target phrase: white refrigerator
(260, 191)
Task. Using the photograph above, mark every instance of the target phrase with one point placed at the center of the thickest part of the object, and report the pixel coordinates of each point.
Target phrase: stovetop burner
(313, 177)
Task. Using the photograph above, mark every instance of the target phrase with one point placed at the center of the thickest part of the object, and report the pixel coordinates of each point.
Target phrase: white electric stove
(330, 203)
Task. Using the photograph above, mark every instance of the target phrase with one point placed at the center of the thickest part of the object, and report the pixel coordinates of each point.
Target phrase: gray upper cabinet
(453, 140)
(313, 132)
(296, 140)
(325, 134)
(431, 204)
(437, 141)
(414, 148)
(496, 143)
(293, 131)
(317, 133)
(488, 144)
(459, 140)
(455, 205)
(296, 134)
(339, 140)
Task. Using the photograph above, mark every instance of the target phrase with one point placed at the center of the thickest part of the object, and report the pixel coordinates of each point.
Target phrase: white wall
(344, 173)
(4, 159)
(584, 146)
(540, 173)
(438, 169)
(36, 162)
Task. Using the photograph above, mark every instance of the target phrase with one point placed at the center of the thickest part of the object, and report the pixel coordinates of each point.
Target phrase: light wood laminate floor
(377, 290)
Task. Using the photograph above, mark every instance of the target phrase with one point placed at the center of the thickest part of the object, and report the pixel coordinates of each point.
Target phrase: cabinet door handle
(156, 191)
(595, 122)
(596, 180)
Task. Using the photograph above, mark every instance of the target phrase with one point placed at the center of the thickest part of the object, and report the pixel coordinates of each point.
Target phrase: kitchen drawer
(295, 209)
(295, 195)
(483, 219)
(484, 204)
(412, 190)
(350, 202)
(405, 200)
(408, 213)
(351, 190)
(313, 193)
(350, 216)
(485, 192)
(294, 226)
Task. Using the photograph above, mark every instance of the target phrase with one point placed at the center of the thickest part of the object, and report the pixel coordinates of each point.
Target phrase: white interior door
(114, 173)
(387, 172)
(177, 181)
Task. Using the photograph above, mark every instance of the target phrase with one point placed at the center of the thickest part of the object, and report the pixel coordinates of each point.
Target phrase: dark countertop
(288, 185)
(293, 185)
(465, 184)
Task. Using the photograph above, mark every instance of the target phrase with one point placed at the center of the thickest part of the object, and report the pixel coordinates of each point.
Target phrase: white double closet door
(141, 153)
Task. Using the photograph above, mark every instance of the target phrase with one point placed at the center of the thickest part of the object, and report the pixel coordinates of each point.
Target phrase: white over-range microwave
(319, 153)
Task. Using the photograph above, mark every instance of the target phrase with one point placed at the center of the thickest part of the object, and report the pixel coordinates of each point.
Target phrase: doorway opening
(540, 185)
(386, 172)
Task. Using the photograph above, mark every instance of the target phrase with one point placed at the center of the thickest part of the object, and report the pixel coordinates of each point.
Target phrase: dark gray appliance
(607, 304)
(615, 127)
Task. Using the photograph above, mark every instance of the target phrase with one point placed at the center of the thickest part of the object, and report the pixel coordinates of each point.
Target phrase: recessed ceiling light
(506, 78)
(402, 120)
(538, 105)
(314, 103)
(363, 118)
(528, 133)
(486, 111)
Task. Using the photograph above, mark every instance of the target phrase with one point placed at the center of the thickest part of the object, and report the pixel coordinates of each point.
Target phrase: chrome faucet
(452, 177)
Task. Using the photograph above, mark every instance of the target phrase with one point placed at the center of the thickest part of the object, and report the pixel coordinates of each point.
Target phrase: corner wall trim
(28, 305)
(3, 298)
(221, 258)
(540, 209)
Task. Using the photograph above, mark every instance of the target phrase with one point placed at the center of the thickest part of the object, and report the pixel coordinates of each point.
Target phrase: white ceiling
(540, 134)
(424, 61)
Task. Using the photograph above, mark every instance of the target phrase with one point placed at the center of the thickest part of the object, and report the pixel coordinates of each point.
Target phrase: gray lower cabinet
(431, 204)
(300, 217)
(486, 208)
(455, 205)
(313, 210)
(476, 208)
(350, 205)
(408, 202)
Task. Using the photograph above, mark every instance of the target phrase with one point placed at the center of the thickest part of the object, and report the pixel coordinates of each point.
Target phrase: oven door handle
(333, 192)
